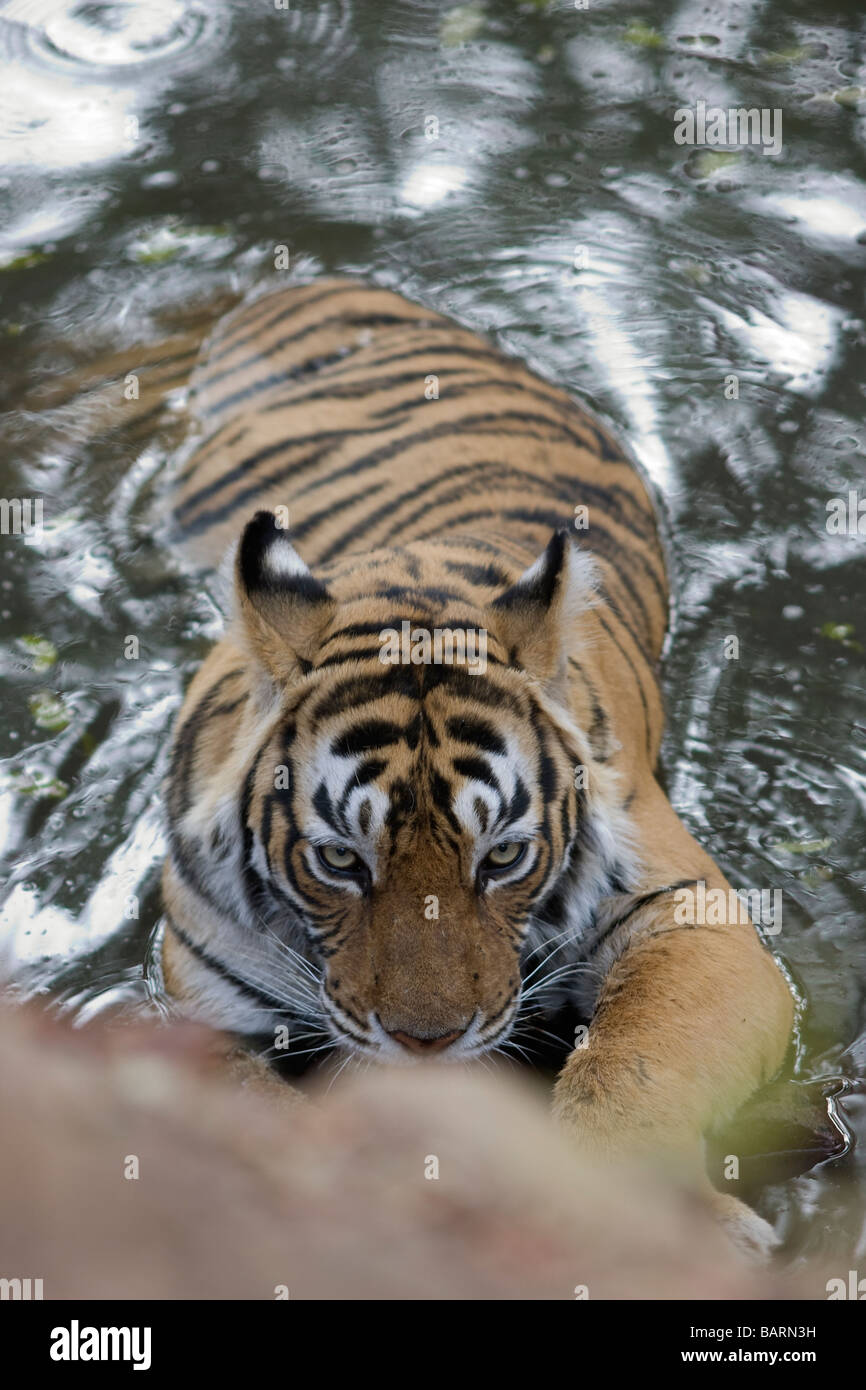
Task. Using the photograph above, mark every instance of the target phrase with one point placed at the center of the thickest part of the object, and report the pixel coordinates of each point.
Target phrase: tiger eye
(339, 856)
(501, 856)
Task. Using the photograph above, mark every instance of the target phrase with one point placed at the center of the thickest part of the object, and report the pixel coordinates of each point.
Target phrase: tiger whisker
(508, 1042)
(294, 956)
(541, 964)
(257, 959)
(575, 968)
(268, 1053)
(297, 994)
(289, 1050)
(341, 1068)
(536, 1030)
(548, 940)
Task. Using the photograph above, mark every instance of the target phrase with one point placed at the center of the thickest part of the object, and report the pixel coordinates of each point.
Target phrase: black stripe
(285, 310)
(548, 780)
(456, 389)
(367, 772)
(349, 655)
(367, 737)
(311, 367)
(324, 807)
(491, 422)
(186, 739)
(441, 792)
(599, 730)
(248, 464)
(347, 320)
(358, 690)
(219, 968)
(208, 447)
(254, 884)
(475, 731)
(645, 900)
(477, 689)
(494, 1018)
(484, 422)
(638, 682)
(478, 770)
(520, 801)
(489, 576)
(424, 348)
(600, 540)
(469, 478)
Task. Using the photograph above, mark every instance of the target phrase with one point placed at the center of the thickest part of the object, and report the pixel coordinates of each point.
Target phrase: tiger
(400, 857)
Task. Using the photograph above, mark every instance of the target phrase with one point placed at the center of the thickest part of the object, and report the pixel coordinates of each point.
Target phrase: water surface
(515, 166)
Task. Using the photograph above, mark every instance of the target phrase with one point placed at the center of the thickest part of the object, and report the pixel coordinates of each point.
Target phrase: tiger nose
(427, 1045)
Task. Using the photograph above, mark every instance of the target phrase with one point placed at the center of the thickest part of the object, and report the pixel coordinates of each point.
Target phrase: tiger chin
(400, 858)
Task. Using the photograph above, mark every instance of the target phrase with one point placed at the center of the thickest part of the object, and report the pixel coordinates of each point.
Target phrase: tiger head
(410, 827)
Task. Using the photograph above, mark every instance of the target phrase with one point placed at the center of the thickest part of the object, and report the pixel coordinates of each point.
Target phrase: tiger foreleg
(690, 1020)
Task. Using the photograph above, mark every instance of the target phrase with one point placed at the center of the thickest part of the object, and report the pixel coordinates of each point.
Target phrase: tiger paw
(748, 1232)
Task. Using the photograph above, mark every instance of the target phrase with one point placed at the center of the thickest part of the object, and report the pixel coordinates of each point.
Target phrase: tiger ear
(536, 618)
(283, 608)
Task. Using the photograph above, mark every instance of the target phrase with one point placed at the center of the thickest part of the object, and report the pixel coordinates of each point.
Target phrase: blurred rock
(239, 1193)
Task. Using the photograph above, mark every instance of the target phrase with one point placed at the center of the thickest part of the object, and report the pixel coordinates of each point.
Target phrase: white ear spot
(579, 581)
(535, 571)
(282, 561)
(583, 581)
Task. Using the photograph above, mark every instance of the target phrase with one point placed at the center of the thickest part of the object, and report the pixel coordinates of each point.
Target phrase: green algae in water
(42, 653)
(27, 261)
(802, 846)
(173, 240)
(38, 785)
(702, 164)
(643, 35)
(49, 712)
(843, 633)
(461, 24)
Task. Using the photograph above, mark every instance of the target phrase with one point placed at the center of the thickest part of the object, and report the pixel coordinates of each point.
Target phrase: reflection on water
(513, 165)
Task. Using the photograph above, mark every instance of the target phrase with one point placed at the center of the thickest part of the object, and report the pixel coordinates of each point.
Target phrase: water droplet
(164, 178)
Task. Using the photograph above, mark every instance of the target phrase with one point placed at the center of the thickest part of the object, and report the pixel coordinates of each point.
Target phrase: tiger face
(414, 827)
